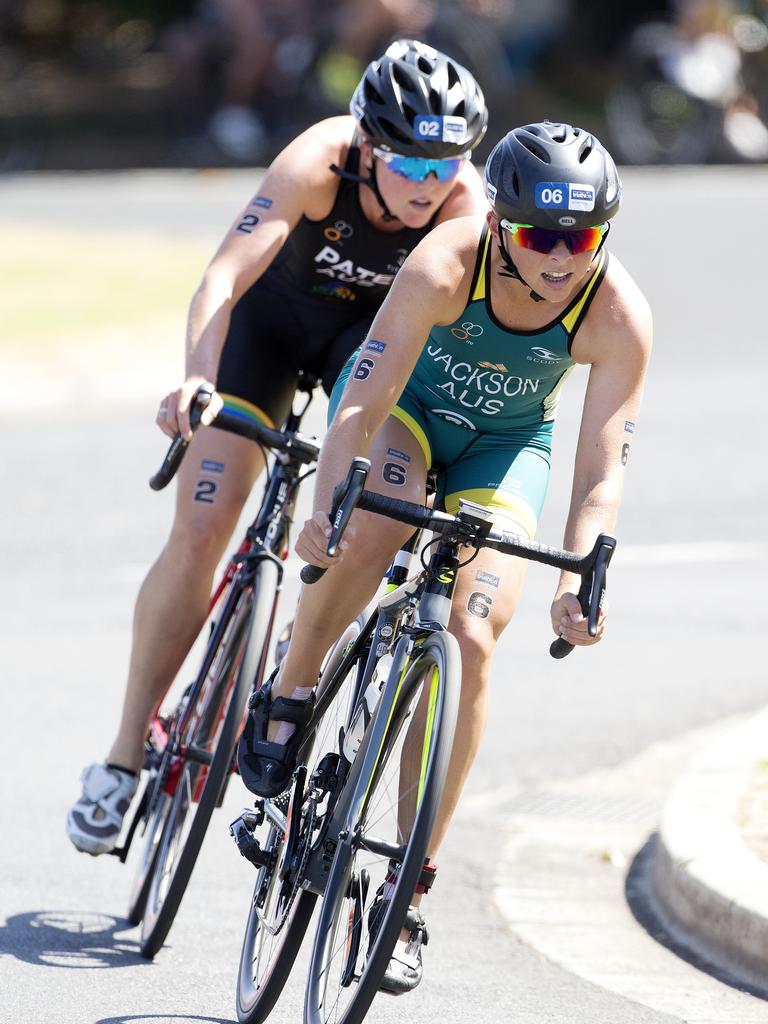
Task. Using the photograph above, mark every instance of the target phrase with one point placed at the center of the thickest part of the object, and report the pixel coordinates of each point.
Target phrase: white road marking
(692, 553)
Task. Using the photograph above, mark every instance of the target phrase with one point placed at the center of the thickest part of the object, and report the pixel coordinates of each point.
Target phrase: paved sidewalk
(574, 878)
(710, 878)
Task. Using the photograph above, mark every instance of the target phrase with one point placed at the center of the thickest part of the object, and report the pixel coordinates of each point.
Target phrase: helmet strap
(512, 271)
(372, 184)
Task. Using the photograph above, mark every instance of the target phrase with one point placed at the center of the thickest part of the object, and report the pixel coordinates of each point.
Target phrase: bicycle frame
(427, 597)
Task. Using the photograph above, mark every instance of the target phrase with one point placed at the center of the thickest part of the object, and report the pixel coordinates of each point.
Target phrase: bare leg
(173, 601)
(477, 636)
(326, 608)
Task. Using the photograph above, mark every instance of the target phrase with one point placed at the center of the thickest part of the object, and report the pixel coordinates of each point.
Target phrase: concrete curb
(710, 889)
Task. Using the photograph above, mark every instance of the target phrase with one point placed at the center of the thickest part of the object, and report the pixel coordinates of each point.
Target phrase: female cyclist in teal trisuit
(461, 372)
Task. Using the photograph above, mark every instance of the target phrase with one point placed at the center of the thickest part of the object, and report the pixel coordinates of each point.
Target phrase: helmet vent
(392, 132)
(410, 113)
(402, 76)
(426, 66)
(538, 151)
(516, 184)
(585, 150)
(453, 75)
(372, 94)
(435, 104)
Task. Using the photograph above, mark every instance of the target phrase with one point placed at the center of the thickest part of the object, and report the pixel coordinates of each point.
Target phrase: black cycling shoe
(405, 969)
(266, 767)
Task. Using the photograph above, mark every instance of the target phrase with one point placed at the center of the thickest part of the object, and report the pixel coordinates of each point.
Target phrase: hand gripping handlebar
(304, 450)
(345, 498)
(591, 567)
(178, 447)
(591, 591)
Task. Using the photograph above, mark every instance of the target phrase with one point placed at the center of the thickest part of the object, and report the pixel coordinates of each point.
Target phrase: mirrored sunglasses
(416, 168)
(543, 240)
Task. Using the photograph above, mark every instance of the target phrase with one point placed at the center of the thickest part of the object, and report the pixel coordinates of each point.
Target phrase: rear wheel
(196, 785)
(280, 909)
(393, 812)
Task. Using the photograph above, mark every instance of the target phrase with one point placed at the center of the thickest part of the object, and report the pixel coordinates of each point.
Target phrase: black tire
(217, 728)
(341, 986)
(264, 964)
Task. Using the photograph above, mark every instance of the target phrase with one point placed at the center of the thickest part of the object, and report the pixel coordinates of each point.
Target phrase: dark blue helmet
(416, 101)
(552, 176)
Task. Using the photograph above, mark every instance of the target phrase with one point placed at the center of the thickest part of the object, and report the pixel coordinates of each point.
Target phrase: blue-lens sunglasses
(417, 168)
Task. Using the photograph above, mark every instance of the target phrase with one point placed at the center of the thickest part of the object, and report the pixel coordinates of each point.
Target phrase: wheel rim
(152, 836)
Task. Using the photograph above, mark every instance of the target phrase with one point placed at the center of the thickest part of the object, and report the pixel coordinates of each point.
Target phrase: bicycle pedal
(247, 843)
(252, 818)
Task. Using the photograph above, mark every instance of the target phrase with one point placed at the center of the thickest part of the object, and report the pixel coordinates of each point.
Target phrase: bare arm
(619, 349)
(426, 291)
(298, 182)
(466, 198)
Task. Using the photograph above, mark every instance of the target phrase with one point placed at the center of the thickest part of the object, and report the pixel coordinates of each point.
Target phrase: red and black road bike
(190, 751)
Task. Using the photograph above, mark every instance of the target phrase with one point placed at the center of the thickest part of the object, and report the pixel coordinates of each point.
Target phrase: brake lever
(179, 445)
(345, 499)
(591, 592)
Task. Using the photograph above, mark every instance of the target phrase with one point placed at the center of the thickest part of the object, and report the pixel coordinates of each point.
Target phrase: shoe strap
(416, 925)
(100, 782)
(288, 709)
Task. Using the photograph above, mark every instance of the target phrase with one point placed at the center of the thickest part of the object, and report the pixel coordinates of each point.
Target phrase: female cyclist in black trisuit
(294, 286)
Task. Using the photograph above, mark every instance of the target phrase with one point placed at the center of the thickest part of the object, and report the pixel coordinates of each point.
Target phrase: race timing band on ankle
(426, 878)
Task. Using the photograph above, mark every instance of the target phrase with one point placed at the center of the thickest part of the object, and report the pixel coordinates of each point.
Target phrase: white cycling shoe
(95, 821)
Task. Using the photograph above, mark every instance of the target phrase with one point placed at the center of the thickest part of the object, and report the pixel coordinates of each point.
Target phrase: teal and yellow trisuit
(482, 399)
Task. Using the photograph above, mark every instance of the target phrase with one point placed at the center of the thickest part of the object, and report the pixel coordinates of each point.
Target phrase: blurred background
(88, 85)
(131, 133)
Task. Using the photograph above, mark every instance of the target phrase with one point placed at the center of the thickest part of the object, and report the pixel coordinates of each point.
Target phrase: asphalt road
(681, 655)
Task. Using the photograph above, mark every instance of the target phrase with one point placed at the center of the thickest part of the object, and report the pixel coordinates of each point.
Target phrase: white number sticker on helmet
(442, 129)
(560, 195)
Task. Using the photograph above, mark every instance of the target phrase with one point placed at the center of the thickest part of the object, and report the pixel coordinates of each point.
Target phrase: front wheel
(197, 782)
(280, 910)
(392, 814)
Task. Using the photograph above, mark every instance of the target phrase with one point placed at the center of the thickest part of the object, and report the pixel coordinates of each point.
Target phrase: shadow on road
(70, 939)
(638, 890)
(162, 1018)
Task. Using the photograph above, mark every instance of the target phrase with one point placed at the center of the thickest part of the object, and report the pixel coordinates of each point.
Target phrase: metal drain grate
(624, 810)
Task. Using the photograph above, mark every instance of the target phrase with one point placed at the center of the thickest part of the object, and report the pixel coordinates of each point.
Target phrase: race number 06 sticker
(562, 195)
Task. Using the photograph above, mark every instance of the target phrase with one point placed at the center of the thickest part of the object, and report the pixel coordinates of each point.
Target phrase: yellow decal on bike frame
(386, 730)
(433, 687)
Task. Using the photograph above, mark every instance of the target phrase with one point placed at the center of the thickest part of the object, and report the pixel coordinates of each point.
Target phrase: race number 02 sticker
(440, 129)
(562, 195)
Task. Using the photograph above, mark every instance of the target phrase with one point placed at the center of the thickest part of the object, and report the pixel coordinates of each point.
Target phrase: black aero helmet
(552, 176)
(417, 102)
